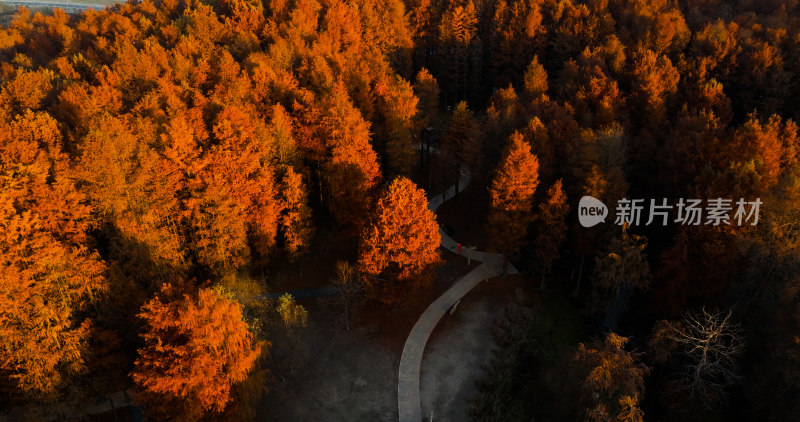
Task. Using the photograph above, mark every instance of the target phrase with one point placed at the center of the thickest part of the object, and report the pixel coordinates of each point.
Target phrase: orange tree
(552, 228)
(197, 346)
(401, 242)
(49, 278)
(511, 196)
(614, 380)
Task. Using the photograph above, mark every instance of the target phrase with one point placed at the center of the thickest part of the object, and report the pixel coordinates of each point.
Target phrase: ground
(459, 346)
(315, 269)
(351, 376)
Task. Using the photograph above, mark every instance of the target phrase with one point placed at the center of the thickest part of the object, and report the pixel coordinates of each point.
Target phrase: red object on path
(459, 249)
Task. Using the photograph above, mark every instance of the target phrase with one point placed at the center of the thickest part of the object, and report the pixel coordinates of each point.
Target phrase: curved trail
(408, 388)
(409, 404)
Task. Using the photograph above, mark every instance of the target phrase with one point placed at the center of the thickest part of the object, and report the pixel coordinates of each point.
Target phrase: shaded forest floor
(459, 347)
(315, 269)
(466, 215)
(346, 376)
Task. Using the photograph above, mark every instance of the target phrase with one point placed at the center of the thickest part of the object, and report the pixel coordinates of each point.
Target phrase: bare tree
(349, 286)
(705, 347)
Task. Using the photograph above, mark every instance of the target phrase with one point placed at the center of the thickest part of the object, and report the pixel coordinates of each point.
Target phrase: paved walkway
(409, 405)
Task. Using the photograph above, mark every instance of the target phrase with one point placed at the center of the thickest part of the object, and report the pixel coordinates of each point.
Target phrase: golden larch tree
(654, 79)
(41, 294)
(624, 264)
(352, 169)
(28, 90)
(398, 105)
(217, 227)
(504, 115)
(295, 220)
(457, 33)
(512, 196)
(243, 161)
(49, 278)
(462, 139)
(196, 347)
(426, 88)
(516, 31)
(401, 242)
(535, 79)
(613, 380)
(772, 145)
(552, 228)
(119, 173)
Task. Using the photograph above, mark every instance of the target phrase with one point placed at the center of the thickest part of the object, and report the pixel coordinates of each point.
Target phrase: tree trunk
(541, 286)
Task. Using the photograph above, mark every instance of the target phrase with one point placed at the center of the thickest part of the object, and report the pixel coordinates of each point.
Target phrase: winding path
(408, 388)
(409, 405)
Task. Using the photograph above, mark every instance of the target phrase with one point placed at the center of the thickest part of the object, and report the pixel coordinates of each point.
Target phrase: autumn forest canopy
(163, 162)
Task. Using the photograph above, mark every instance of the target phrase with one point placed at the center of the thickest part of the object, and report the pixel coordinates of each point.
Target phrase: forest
(169, 169)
